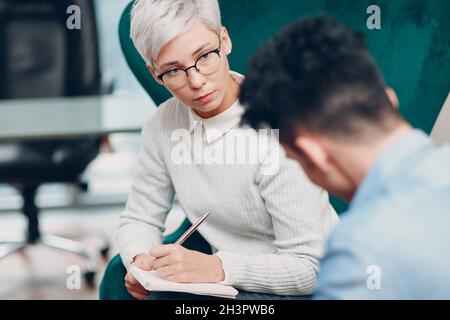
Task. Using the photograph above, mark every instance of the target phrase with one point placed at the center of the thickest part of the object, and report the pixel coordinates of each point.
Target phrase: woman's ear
(153, 73)
(392, 96)
(226, 41)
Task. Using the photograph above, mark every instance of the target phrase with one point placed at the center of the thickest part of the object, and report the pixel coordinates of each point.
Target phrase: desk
(68, 117)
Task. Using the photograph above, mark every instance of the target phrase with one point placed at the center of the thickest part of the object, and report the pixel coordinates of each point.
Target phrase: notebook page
(150, 281)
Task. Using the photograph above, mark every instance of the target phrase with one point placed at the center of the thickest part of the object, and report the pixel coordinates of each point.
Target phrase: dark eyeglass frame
(216, 51)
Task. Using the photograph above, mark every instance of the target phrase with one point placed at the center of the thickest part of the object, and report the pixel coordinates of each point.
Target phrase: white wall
(441, 129)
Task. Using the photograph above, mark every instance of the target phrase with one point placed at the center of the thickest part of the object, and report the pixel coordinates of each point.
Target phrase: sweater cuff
(233, 267)
(128, 256)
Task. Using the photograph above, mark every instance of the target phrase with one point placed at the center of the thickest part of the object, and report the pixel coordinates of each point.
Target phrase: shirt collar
(391, 160)
(218, 125)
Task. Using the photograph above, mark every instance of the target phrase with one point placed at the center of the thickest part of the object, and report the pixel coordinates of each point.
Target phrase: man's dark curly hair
(317, 75)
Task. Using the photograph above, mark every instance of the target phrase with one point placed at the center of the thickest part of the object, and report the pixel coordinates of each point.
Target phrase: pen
(191, 230)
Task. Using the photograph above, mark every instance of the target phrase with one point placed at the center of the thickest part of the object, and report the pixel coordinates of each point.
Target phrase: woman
(267, 227)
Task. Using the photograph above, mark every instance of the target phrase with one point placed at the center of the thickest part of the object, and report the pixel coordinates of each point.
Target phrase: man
(317, 82)
(266, 231)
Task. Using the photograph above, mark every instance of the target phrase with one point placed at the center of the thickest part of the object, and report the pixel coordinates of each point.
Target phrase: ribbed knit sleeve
(150, 199)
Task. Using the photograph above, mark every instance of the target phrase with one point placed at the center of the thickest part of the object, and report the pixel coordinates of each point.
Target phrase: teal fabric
(112, 286)
(411, 47)
(158, 93)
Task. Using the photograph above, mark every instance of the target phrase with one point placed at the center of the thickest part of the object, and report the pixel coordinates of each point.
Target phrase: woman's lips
(205, 98)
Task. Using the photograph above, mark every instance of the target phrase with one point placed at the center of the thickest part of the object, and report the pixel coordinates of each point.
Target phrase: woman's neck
(228, 100)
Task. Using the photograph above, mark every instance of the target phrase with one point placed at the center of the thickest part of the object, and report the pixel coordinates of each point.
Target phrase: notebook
(150, 281)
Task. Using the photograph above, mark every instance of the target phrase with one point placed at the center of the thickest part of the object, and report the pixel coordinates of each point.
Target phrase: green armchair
(411, 49)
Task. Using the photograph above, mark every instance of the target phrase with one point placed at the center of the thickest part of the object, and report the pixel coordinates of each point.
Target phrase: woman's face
(206, 94)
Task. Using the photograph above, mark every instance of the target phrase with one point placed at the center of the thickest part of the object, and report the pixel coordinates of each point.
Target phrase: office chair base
(33, 235)
(60, 243)
(11, 247)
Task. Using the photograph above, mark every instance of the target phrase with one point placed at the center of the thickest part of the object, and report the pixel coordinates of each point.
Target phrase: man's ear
(226, 41)
(392, 96)
(153, 73)
(312, 149)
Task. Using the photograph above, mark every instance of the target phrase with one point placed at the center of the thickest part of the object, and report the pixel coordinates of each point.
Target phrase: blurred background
(71, 111)
(66, 154)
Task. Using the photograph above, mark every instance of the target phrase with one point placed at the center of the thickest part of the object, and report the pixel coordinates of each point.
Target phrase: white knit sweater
(267, 229)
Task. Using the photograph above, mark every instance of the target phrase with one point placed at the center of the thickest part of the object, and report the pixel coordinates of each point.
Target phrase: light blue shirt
(394, 241)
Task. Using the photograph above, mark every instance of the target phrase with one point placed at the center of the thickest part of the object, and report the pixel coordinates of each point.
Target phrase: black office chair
(41, 57)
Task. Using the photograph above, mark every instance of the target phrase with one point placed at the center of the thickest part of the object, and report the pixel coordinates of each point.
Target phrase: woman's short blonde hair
(155, 22)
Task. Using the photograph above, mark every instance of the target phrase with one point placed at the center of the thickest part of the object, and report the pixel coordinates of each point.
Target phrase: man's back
(393, 242)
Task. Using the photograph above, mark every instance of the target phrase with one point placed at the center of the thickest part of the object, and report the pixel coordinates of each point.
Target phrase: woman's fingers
(138, 296)
(165, 272)
(162, 262)
(133, 285)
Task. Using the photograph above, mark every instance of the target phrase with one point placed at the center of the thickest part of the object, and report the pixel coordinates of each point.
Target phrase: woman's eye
(173, 72)
(205, 56)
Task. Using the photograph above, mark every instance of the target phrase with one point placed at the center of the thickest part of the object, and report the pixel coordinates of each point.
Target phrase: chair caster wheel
(104, 252)
(89, 277)
(83, 186)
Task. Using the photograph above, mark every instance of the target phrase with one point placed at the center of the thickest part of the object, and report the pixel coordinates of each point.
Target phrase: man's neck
(361, 159)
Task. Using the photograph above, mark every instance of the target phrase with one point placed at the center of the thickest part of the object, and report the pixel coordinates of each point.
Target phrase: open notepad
(150, 281)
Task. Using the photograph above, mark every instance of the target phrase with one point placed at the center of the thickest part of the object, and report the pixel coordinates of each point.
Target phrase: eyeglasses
(206, 64)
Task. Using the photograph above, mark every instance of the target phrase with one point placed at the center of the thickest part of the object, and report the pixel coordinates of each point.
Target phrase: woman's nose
(195, 78)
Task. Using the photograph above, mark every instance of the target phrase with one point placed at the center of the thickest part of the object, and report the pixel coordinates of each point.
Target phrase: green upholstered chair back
(411, 47)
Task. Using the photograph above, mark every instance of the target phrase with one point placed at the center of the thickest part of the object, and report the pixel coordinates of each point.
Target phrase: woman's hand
(178, 264)
(145, 262)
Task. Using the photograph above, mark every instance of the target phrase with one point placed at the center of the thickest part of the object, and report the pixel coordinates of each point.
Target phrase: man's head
(173, 35)
(317, 83)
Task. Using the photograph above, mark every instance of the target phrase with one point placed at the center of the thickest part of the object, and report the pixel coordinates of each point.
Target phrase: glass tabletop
(43, 118)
